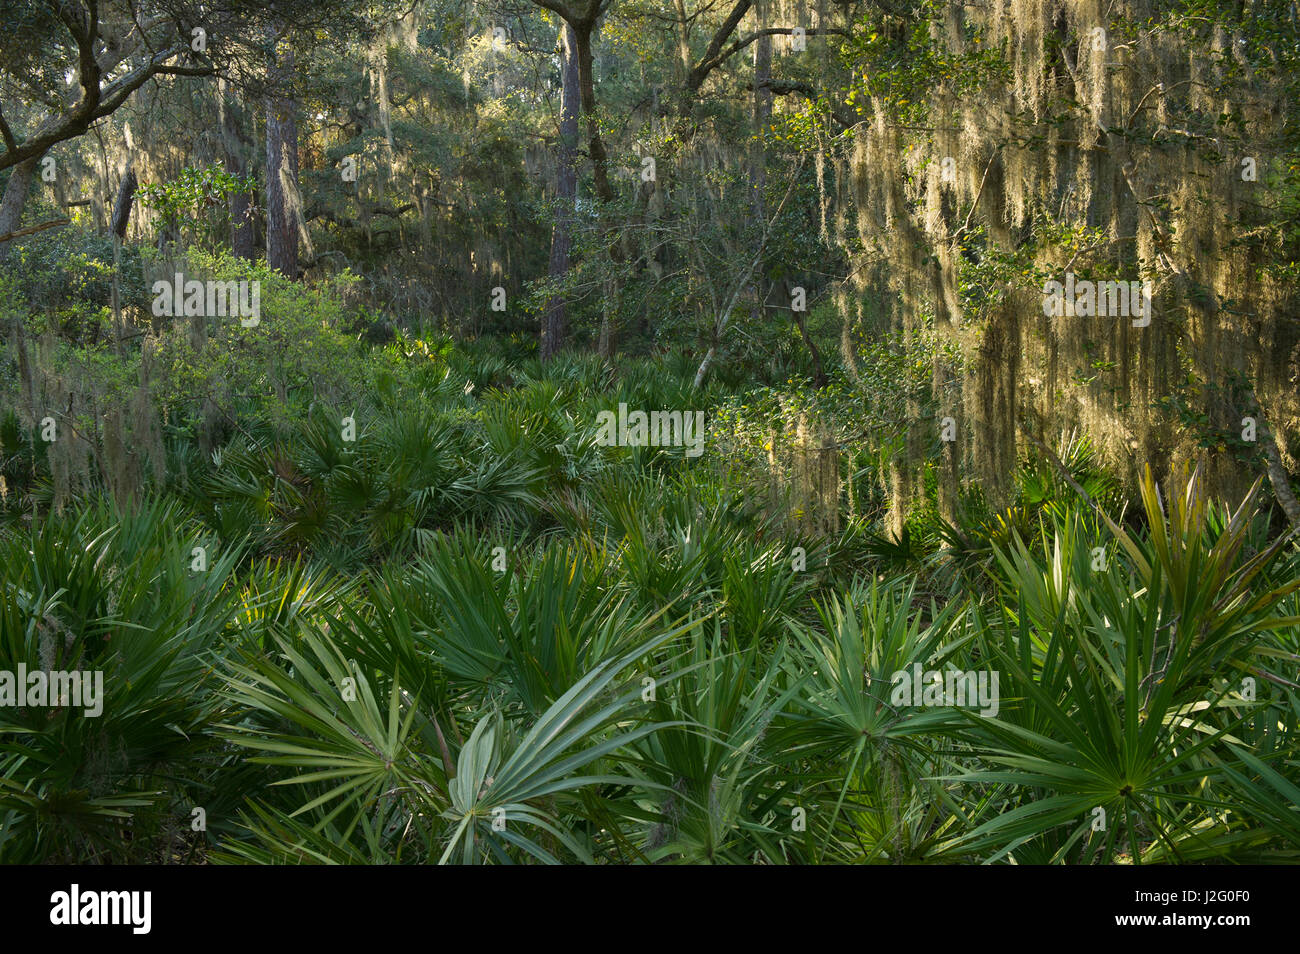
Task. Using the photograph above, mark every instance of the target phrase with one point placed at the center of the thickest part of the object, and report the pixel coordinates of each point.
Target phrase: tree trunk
(15, 197)
(703, 370)
(819, 372)
(587, 87)
(281, 169)
(122, 207)
(235, 145)
(1278, 477)
(757, 164)
(605, 344)
(555, 316)
(121, 219)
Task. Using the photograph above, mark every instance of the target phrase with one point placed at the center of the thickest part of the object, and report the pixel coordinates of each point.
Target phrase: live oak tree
(68, 64)
(1003, 145)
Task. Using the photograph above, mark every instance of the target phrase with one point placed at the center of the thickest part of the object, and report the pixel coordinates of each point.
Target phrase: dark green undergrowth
(428, 617)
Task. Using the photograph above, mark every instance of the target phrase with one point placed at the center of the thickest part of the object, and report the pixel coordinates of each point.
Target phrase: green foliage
(450, 641)
(295, 357)
(111, 592)
(196, 197)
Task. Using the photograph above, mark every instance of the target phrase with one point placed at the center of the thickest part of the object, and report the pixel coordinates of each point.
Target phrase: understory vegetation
(475, 634)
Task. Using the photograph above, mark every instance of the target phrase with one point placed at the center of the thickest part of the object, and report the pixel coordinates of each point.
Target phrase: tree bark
(587, 86)
(122, 207)
(713, 55)
(235, 145)
(1278, 477)
(757, 164)
(281, 169)
(605, 343)
(555, 316)
(33, 229)
(117, 226)
(15, 198)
